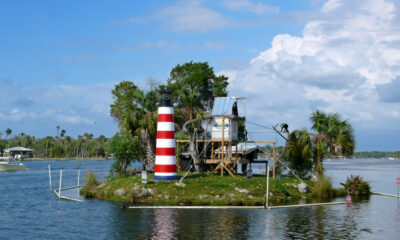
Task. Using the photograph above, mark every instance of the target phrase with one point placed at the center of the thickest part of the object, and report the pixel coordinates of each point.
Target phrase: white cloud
(77, 109)
(217, 44)
(150, 45)
(331, 5)
(347, 61)
(74, 119)
(16, 115)
(247, 5)
(80, 58)
(187, 16)
(191, 16)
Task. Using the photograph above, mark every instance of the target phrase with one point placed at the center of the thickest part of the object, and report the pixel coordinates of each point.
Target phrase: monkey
(284, 128)
(235, 109)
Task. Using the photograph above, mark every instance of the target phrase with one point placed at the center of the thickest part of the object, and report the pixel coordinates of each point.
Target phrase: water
(29, 211)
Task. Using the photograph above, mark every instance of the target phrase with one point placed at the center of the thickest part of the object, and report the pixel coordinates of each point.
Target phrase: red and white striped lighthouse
(165, 146)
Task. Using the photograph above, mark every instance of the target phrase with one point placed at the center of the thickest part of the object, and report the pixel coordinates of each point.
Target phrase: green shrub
(91, 183)
(323, 187)
(282, 189)
(356, 186)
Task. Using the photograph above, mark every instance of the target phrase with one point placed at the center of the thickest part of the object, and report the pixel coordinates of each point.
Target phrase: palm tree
(298, 151)
(331, 136)
(62, 134)
(8, 132)
(136, 112)
(58, 129)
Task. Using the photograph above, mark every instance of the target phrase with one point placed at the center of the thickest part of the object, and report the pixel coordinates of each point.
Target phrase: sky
(59, 60)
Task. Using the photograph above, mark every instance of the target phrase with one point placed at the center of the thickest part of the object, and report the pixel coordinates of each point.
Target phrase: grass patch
(201, 189)
(91, 183)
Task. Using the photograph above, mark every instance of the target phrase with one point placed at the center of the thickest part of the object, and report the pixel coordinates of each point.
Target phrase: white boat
(9, 164)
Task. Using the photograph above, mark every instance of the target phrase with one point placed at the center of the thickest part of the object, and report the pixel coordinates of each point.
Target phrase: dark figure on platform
(284, 128)
(235, 109)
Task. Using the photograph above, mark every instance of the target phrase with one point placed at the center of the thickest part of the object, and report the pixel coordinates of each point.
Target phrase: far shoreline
(66, 159)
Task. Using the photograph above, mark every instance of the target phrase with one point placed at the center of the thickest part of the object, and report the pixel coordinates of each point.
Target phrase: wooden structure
(18, 152)
(222, 155)
(225, 141)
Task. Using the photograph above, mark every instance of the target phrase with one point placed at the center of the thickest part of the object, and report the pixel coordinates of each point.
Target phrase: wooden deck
(226, 161)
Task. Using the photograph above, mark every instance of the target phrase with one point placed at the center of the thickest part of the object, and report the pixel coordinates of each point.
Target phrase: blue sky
(59, 60)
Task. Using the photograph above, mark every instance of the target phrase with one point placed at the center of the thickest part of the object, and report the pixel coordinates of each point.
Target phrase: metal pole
(266, 202)
(273, 170)
(79, 173)
(50, 178)
(59, 188)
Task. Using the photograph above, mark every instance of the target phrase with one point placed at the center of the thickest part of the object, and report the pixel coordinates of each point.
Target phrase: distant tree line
(377, 154)
(60, 146)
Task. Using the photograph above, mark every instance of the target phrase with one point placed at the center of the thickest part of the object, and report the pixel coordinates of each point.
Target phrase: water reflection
(164, 226)
(179, 224)
(46, 217)
(316, 223)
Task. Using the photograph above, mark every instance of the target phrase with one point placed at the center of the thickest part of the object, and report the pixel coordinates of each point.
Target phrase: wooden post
(223, 144)
(236, 152)
(212, 150)
(273, 155)
(266, 201)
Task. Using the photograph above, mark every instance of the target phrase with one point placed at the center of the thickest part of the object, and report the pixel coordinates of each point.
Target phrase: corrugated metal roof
(223, 106)
(18, 149)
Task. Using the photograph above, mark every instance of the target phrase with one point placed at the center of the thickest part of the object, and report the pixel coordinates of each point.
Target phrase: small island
(205, 189)
(203, 131)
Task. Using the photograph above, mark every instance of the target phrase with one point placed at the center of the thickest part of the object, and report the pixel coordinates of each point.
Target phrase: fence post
(59, 189)
(266, 201)
(50, 178)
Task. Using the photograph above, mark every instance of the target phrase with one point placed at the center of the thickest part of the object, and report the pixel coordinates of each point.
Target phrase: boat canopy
(17, 149)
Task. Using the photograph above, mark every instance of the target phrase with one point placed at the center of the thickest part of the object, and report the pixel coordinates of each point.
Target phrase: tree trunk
(193, 148)
(149, 152)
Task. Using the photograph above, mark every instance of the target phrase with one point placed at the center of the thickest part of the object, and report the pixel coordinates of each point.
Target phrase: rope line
(256, 124)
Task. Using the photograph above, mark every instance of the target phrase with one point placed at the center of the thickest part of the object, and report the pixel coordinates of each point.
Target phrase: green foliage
(331, 136)
(323, 187)
(136, 112)
(282, 188)
(356, 186)
(126, 148)
(194, 87)
(299, 152)
(134, 109)
(91, 184)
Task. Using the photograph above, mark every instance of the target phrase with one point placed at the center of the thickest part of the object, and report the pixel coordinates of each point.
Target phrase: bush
(282, 189)
(125, 147)
(323, 188)
(91, 184)
(356, 186)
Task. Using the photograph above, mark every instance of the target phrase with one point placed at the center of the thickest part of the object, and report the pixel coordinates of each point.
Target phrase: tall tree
(136, 112)
(58, 129)
(331, 136)
(194, 86)
(8, 132)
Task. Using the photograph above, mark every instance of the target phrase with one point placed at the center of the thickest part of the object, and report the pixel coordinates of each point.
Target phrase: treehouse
(225, 142)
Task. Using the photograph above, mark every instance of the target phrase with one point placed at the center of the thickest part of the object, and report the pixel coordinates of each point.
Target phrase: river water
(28, 210)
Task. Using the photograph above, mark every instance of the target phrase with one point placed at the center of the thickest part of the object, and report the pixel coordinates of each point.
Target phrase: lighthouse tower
(165, 147)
